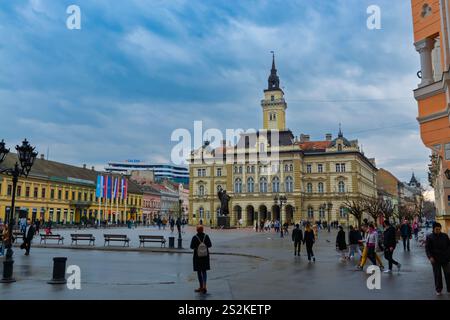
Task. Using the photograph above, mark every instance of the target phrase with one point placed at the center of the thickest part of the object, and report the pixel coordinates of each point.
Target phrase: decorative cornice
(435, 116)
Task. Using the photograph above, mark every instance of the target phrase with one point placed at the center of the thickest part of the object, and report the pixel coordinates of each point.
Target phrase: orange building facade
(431, 23)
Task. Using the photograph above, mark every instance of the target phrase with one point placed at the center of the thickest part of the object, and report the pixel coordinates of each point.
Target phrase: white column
(424, 47)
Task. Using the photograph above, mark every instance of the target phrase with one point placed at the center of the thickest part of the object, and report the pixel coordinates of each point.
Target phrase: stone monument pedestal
(223, 222)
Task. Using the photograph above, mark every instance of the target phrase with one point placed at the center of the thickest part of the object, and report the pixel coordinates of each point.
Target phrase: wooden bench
(82, 236)
(147, 238)
(117, 237)
(45, 237)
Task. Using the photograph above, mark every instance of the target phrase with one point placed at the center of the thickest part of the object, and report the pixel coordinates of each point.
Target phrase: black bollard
(180, 243)
(8, 272)
(171, 242)
(59, 271)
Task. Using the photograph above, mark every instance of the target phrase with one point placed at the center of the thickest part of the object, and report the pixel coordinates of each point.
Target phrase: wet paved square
(244, 265)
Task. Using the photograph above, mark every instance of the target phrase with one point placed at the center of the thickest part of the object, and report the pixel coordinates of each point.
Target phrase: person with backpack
(200, 244)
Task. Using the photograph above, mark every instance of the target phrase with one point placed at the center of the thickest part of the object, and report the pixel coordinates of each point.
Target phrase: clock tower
(273, 104)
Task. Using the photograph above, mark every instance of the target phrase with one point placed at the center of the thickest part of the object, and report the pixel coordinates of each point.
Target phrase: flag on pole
(125, 188)
(99, 189)
(116, 185)
(108, 187)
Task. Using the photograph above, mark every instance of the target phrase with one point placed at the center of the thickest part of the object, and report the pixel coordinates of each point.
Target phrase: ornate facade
(315, 176)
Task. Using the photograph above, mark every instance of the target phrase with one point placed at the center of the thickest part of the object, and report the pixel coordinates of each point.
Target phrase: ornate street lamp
(26, 156)
(180, 240)
(280, 200)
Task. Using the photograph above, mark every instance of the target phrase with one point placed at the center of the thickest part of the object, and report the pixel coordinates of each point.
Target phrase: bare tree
(356, 208)
(429, 210)
(387, 209)
(373, 206)
(405, 212)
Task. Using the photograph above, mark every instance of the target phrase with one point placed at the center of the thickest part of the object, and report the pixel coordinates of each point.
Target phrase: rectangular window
(219, 172)
(79, 196)
(92, 197)
(59, 194)
(73, 195)
(43, 193)
(447, 151)
(52, 194)
(342, 167)
(19, 191)
(9, 191)
(308, 168)
(85, 196)
(199, 172)
(27, 192)
(320, 168)
(338, 167)
(66, 195)
(448, 200)
(36, 192)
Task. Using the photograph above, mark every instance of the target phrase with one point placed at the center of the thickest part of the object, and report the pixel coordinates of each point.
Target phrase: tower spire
(340, 134)
(274, 80)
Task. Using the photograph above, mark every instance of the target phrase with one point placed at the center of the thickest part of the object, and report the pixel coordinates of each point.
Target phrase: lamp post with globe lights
(25, 160)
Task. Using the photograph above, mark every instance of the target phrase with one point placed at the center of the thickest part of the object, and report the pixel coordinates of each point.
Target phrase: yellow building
(272, 161)
(62, 192)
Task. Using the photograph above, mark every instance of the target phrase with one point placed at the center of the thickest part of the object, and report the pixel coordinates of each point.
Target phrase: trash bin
(171, 242)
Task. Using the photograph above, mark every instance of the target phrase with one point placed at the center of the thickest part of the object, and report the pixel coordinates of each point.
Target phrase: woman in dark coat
(308, 239)
(201, 264)
(341, 245)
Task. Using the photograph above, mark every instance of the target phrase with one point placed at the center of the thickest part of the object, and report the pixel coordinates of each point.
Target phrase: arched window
(201, 212)
(320, 187)
(286, 168)
(240, 169)
(248, 169)
(263, 185)
(322, 212)
(341, 187)
(291, 168)
(310, 213)
(201, 190)
(250, 185)
(238, 186)
(342, 212)
(309, 187)
(289, 184)
(276, 184)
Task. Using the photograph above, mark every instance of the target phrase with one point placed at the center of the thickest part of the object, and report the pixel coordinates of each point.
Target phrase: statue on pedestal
(224, 199)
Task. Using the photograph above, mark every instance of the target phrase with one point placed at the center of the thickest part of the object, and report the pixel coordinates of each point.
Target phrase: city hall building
(316, 177)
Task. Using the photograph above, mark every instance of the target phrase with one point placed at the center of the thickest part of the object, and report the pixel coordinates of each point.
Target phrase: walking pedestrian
(297, 237)
(415, 228)
(389, 243)
(354, 237)
(27, 237)
(406, 233)
(200, 244)
(372, 242)
(4, 233)
(437, 248)
(172, 224)
(341, 245)
(365, 251)
(309, 240)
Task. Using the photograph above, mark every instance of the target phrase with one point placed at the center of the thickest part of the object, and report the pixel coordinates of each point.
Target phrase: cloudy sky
(138, 70)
